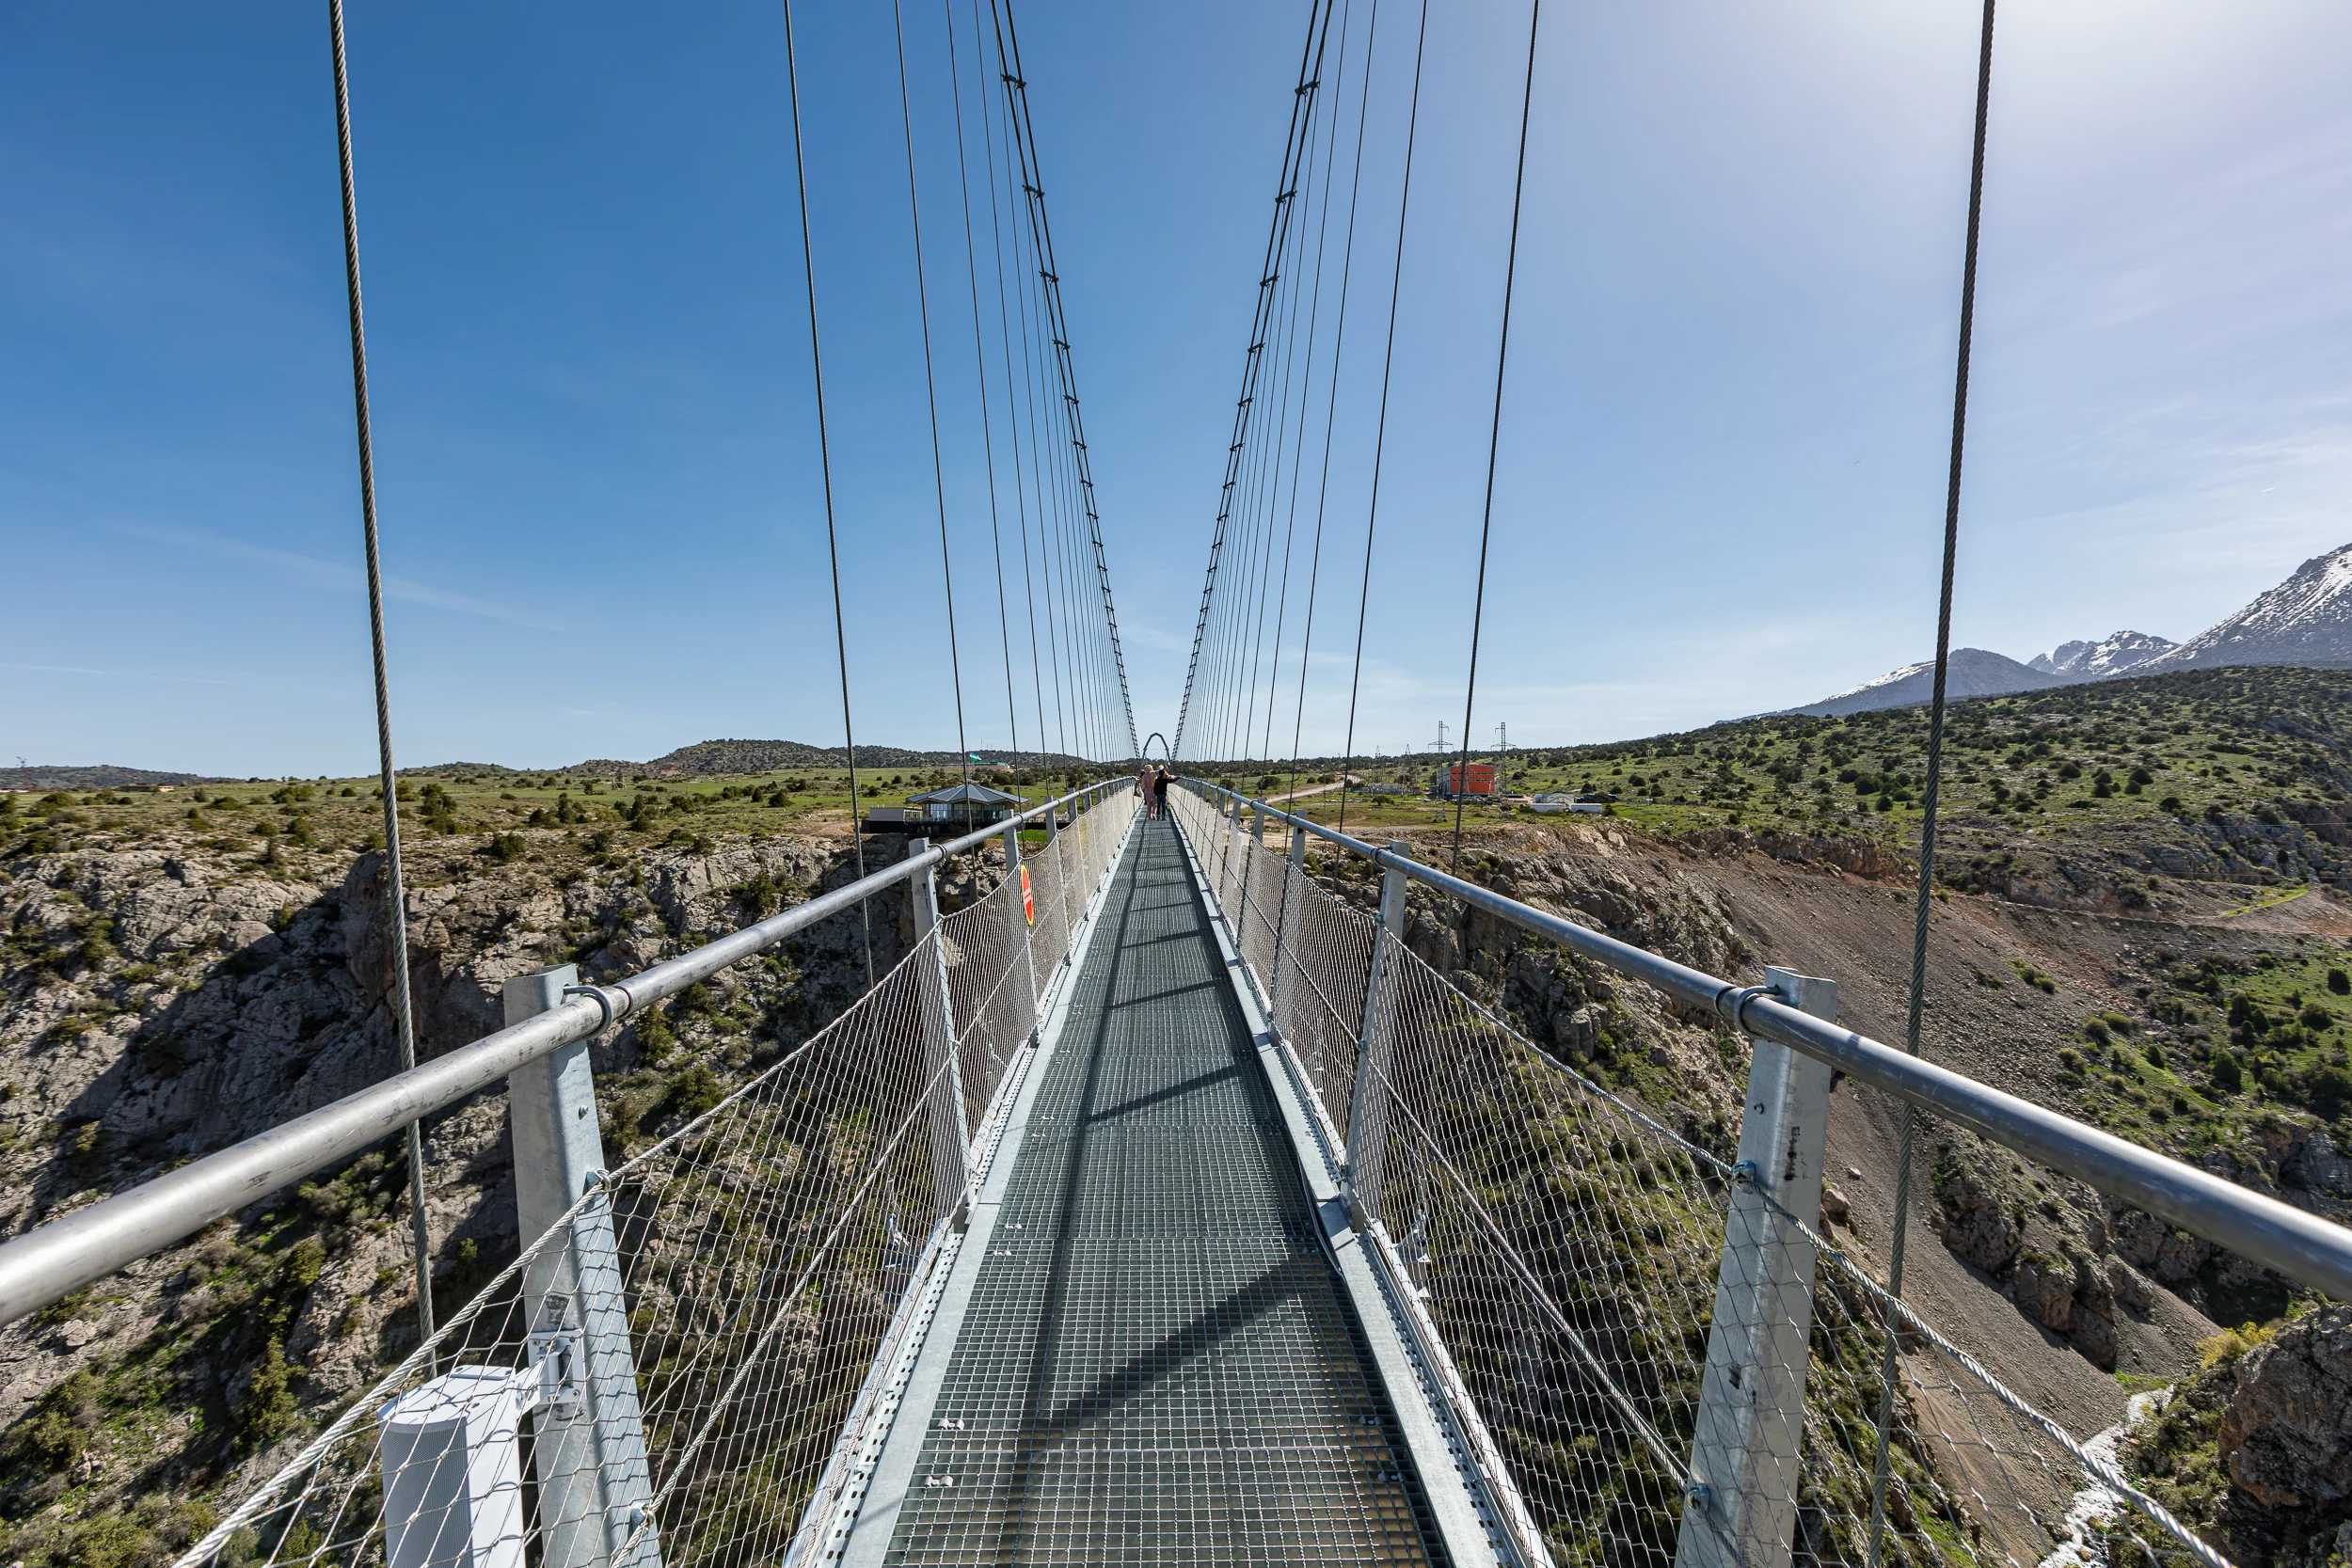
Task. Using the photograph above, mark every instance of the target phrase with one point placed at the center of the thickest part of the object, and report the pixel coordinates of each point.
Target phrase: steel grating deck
(1157, 1363)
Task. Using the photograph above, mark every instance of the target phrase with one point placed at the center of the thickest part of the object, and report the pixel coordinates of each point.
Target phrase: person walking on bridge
(1160, 776)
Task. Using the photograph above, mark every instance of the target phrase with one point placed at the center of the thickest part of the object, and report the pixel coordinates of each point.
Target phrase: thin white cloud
(334, 575)
(127, 675)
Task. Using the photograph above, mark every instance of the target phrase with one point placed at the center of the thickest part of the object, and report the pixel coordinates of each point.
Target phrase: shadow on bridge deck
(1157, 1363)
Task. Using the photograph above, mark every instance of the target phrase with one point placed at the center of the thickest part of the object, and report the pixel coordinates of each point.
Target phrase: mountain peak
(2304, 620)
(2118, 652)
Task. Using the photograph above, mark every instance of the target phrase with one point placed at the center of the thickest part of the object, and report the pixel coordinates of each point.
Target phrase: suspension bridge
(1163, 1203)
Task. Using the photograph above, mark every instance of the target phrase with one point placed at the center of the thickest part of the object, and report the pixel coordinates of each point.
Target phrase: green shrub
(2340, 982)
(2096, 1029)
(267, 1410)
(61, 1425)
(695, 1091)
(2227, 1075)
(656, 1039)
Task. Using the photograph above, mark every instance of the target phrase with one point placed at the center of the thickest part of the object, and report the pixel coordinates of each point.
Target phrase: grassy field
(509, 814)
(2138, 756)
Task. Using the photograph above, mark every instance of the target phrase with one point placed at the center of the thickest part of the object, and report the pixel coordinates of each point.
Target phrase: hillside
(185, 970)
(2159, 955)
(708, 758)
(1972, 673)
(103, 775)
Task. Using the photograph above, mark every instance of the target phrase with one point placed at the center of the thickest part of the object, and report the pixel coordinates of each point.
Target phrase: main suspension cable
(396, 888)
(1928, 795)
(1494, 433)
(824, 462)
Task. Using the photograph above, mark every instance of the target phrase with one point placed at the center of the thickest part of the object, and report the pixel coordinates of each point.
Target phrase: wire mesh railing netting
(1564, 1248)
(666, 1374)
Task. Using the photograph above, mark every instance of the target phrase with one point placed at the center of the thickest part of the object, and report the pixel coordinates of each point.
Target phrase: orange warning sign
(1029, 904)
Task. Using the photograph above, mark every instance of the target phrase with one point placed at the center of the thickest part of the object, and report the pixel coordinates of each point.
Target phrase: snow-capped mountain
(1975, 672)
(2305, 620)
(2091, 661)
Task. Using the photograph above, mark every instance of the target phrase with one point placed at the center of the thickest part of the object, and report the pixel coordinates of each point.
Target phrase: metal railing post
(1739, 1509)
(1367, 1113)
(951, 1137)
(589, 1447)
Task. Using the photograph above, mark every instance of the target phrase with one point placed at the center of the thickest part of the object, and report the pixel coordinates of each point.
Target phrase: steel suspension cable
(396, 889)
(1928, 795)
(979, 363)
(1318, 24)
(1307, 380)
(1271, 454)
(1380, 434)
(1330, 414)
(1049, 269)
(931, 394)
(1013, 405)
(1028, 413)
(1494, 434)
(824, 462)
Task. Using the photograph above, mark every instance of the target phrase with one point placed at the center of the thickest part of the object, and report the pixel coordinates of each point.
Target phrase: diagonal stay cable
(1935, 767)
(1494, 433)
(396, 892)
(824, 459)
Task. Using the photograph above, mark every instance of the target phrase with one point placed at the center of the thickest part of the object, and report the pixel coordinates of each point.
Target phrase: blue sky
(1722, 461)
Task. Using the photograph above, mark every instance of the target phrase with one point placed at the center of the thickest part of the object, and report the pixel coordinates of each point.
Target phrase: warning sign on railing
(1028, 904)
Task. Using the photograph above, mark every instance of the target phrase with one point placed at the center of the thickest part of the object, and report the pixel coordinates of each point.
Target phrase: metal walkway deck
(1157, 1363)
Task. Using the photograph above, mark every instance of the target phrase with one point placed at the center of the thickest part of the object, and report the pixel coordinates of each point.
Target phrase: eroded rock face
(2286, 1436)
(2041, 1244)
(1983, 1224)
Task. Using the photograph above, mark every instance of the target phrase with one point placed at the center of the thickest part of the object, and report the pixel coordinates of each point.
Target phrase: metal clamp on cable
(602, 1000)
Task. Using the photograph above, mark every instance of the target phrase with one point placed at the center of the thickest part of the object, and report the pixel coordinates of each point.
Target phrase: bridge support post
(951, 1137)
(1368, 1113)
(588, 1446)
(1741, 1504)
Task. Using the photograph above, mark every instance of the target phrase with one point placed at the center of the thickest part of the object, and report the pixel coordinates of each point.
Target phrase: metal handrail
(55, 1259)
(2304, 1247)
